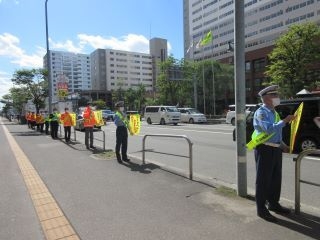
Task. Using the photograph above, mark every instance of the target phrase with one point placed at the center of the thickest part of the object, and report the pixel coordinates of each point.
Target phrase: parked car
(162, 114)
(192, 115)
(231, 114)
(108, 115)
(308, 134)
(79, 123)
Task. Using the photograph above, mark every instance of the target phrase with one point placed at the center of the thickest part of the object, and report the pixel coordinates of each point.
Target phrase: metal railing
(103, 139)
(170, 136)
(298, 179)
(97, 139)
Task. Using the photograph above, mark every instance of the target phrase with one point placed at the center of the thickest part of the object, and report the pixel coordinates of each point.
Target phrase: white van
(231, 114)
(162, 115)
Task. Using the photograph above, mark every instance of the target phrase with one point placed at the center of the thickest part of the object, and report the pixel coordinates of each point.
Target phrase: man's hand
(289, 118)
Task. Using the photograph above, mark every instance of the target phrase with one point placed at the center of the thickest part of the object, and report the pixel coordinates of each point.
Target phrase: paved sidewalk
(105, 200)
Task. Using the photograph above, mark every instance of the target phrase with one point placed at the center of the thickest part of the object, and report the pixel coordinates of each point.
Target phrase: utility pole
(240, 97)
(48, 60)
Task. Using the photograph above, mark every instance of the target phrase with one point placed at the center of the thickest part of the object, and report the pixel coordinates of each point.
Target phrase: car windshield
(193, 111)
(172, 109)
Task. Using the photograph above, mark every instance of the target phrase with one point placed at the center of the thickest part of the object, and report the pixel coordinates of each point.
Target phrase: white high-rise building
(112, 69)
(71, 70)
(265, 21)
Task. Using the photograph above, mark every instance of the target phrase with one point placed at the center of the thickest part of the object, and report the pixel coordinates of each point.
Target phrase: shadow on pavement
(146, 168)
(304, 223)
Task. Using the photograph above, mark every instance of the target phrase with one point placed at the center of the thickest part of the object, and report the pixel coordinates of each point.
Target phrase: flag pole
(213, 81)
(203, 83)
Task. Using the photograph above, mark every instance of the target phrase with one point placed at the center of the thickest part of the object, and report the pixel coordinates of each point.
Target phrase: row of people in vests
(41, 120)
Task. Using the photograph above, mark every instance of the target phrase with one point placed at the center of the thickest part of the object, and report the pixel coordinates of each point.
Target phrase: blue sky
(82, 26)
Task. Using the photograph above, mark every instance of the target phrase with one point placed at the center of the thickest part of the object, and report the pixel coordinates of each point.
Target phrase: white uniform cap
(269, 90)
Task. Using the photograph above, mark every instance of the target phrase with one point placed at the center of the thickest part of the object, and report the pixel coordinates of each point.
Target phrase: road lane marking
(52, 219)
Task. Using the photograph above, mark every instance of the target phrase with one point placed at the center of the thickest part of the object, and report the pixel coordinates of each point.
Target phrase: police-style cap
(119, 104)
(269, 90)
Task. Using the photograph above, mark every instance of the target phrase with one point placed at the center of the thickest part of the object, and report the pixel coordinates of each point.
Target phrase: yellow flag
(73, 117)
(295, 126)
(135, 124)
(98, 117)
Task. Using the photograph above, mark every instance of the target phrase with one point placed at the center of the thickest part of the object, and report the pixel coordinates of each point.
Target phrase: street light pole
(48, 60)
(240, 98)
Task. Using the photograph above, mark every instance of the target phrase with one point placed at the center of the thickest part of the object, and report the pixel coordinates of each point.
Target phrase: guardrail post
(298, 175)
(173, 136)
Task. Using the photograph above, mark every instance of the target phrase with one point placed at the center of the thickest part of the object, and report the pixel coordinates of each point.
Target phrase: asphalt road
(214, 157)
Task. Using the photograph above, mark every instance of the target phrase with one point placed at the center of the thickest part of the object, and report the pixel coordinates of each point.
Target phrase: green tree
(141, 97)
(169, 91)
(130, 99)
(292, 61)
(35, 83)
(100, 104)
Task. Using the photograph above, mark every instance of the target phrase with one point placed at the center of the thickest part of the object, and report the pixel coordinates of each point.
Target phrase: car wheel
(307, 143)
(149, 121)
(233, 121)
(162, 122)
(191, 120)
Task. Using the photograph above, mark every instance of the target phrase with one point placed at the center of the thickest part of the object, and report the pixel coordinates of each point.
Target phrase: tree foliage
(293, 60)
(34, 83)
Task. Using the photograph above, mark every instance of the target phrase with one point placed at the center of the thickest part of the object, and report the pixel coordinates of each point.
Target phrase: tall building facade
(265, 21)
(70, 72)
(111, 69)
(158, 49)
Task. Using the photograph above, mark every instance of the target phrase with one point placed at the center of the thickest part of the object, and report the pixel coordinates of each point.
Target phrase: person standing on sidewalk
(268, 154)
(46, 122)
(88, 122)
(54, 124)
(66, 120)
(122, 124)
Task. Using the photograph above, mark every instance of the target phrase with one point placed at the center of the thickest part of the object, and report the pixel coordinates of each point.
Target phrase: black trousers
(269, 174)
(67, 133)
(88, 136)
(121, 142)
(54, 125)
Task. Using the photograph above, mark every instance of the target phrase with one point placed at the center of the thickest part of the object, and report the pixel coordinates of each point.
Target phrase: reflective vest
(88, 118)
(262, 137)
(125, 121)
(54, 118)
(33, 117)
(66, 119)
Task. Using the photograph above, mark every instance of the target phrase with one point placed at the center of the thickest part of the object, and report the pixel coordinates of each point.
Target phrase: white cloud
(9, 47)
(130, 42)
(5, 83)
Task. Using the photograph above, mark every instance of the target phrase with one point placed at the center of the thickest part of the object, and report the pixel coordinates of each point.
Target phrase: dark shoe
(119, 161)
(126, 160)
(93, 147)
(279, 209)
(267, 216)
(88, 147)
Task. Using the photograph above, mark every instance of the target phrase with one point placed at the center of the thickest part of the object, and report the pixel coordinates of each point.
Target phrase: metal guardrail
(298, 179)
(170, 136)
(103, 139)
(97, 139)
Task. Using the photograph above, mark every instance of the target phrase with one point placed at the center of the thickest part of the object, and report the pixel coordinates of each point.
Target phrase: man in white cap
(268, 153)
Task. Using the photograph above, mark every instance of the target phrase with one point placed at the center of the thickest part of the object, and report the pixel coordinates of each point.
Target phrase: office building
(265, 21)
(70, 73)
(112, 69)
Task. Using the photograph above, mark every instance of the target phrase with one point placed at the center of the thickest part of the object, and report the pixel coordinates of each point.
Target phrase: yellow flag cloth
(135, 124)
(73, 116)
(98, 117)
(294, 126)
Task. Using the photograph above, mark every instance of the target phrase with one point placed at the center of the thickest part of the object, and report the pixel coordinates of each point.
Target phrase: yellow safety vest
(259, 138)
